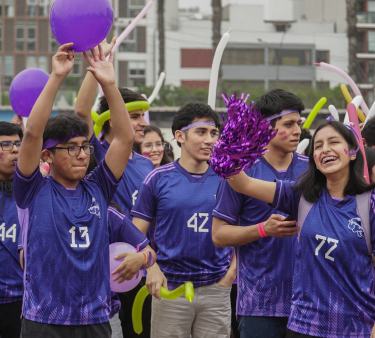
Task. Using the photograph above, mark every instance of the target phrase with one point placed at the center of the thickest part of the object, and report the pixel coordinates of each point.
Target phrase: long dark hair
(150, 128)
(370, 157)
(311, 183)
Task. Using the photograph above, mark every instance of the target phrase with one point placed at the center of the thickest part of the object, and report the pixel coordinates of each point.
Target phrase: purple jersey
(136, 170)
(121, 229)
(333, 278)
(265, 266)
(182, 204)
(11, 272)
(65, 239)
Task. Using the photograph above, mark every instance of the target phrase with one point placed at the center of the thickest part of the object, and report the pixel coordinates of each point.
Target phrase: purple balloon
(114, 250)
(25, 90)
(85, 23)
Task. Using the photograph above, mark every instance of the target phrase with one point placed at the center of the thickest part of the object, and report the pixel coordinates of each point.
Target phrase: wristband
(148, 258)
(261, 230)
(45, 167)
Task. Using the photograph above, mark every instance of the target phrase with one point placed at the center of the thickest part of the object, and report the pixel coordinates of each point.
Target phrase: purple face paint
(346, 152)
(314, 157)
(282, 133)
(284, 138)
(145, 153)
(1, 157)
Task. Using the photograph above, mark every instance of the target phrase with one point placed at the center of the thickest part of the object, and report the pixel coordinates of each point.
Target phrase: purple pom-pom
(243, 139)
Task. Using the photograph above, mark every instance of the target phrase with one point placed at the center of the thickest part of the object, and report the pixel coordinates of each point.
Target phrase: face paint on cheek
(145, 153)
(314, 157)
(162, 151)
(283, 138)
(282, 133)
(63, 162)
(1, 157)
(346, 152)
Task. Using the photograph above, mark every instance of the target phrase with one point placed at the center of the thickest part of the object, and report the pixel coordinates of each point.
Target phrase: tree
(161, 35)
(216, 36)
(351, 20)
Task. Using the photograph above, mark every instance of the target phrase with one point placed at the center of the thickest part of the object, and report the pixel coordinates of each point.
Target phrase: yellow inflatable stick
(349, 99)
(314, 112)
(186, 288)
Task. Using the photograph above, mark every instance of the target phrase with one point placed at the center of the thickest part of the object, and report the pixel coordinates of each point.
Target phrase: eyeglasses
(158, 145)
(8, 146)
(88, 149)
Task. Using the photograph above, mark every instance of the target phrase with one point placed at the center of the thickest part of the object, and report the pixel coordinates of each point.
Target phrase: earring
(353, 158)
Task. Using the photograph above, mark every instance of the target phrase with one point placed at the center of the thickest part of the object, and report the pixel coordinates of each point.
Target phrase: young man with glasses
(180, 197)
(10, 272)
(64, 216)
(138, 167)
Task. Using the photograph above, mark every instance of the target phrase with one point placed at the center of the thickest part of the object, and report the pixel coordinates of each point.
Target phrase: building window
(371, 41)
(243, 57)
(136, 73)
(31, 36)
(31, 61)
(43, 8)
(20, 35)
(76, 70)
(9, 8)
(134, 7)
(8, 70)
(42, 62)
(31, 7)
(322, 56)
(130, 43)
(290, 57)
(370, 6)
(53, 44)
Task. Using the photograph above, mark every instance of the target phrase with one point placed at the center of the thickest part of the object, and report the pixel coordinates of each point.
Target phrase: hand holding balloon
(63, 61)
(155, 279)
(107, 47)
(102, 69)
(132, 263)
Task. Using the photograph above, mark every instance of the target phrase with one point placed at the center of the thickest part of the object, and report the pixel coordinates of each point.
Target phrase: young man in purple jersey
(10, 272)
(265, 265)
(333, 286)
(180, 197)
(64, 216)
(137, 169)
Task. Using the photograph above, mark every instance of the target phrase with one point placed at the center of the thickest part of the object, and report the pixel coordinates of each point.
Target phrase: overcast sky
(205, 5)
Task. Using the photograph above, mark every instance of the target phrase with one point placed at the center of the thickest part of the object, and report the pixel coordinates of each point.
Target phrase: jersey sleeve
(103, 177)
(228, 203)
(372, 219)
(25, 188)
(145, 206)
(286, 198)
(123, 230)
(99, 150)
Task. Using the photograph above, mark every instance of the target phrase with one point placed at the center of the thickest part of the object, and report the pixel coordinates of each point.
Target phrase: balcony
(366, 20)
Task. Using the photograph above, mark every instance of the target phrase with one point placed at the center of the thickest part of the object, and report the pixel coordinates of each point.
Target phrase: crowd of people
(67, 194)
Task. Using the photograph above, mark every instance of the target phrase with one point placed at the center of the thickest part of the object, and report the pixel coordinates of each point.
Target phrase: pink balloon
(116, 249)
(352, 112)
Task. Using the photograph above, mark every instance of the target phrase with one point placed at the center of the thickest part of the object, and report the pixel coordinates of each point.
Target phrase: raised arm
(262, 190)
(31, 148)
(87, 92)
(121, 146)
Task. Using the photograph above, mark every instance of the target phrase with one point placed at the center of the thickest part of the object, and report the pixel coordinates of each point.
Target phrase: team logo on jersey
(354, 225)
(94, 209)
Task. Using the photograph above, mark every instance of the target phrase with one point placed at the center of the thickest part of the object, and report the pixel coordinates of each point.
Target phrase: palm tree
(216, 36)
(351, 20)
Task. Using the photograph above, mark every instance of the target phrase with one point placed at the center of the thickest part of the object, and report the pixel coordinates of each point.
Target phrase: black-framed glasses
(8, 146)
(88, 149)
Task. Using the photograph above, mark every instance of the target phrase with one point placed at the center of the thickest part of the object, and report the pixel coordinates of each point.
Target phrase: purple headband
(350, 127)
(284, 112)
(49, 143)
(195, 124)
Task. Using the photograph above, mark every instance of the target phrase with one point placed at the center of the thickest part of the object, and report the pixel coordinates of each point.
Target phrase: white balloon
(157, 88)
(371, 113)
(332, 109)
(357, 101)
(302, 145)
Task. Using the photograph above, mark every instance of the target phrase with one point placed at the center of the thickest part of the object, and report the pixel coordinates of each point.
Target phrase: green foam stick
(186, 288)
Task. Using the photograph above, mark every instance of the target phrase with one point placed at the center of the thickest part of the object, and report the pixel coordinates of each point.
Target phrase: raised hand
(101, 68)
(107, 47)
(63, 60)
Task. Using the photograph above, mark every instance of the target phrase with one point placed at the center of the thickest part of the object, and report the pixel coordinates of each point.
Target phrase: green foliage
(5, 99)
(173, 96)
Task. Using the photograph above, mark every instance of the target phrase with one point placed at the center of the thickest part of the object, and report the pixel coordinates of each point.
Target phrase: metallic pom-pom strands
(243, 139)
